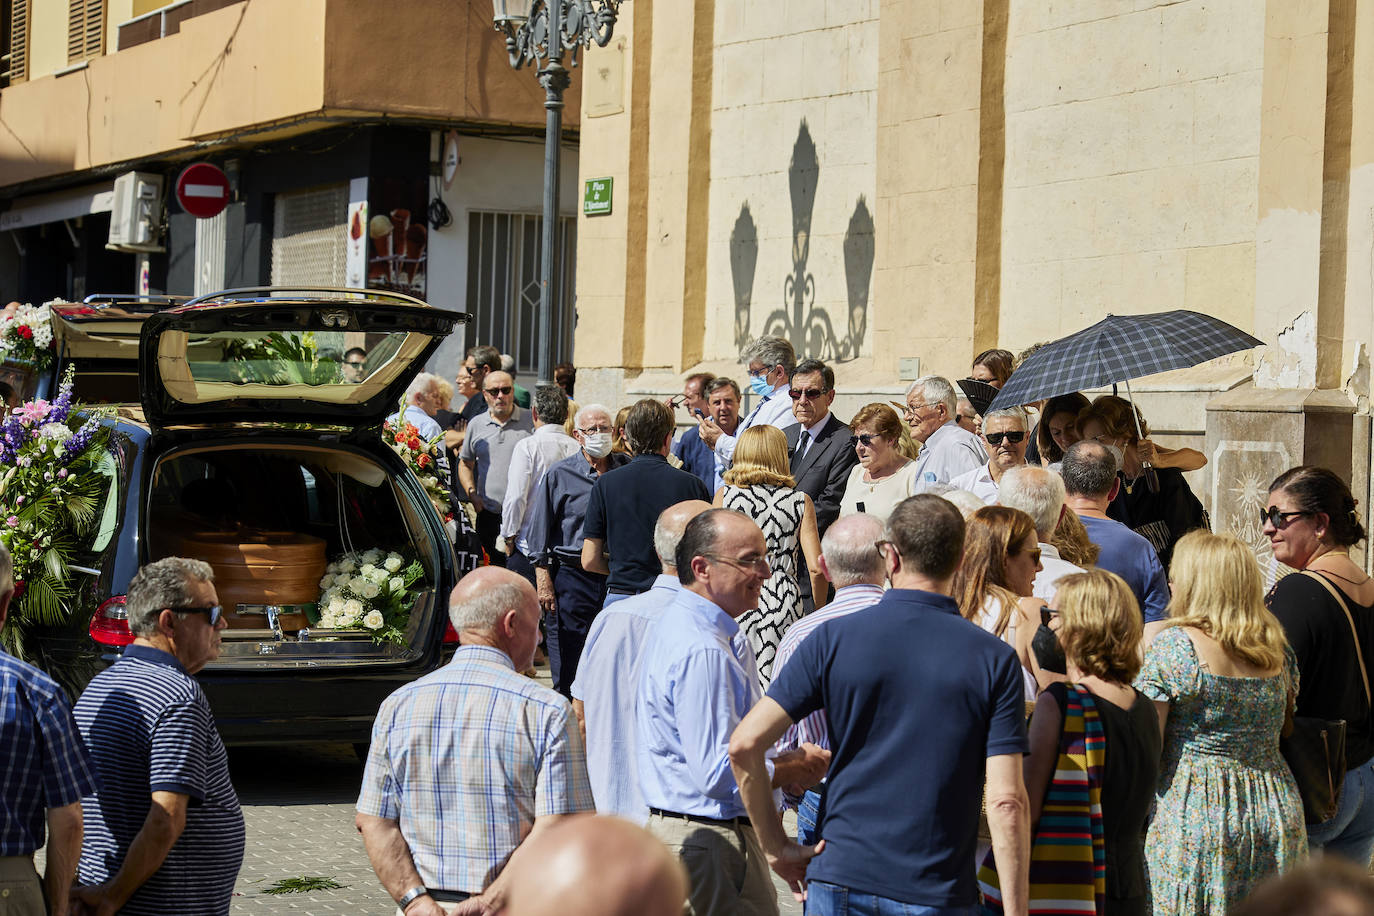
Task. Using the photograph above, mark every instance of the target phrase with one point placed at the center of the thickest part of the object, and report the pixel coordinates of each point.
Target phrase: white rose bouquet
(369, 590)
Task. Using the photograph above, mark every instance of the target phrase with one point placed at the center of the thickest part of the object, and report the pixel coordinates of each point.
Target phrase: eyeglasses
(502, 389)
(1278, 519)
(593, 430)
(1047, 614)
(879, 545)
(1013, 437)
(756, 373)
(866, 438)
(214, 611)
(749, 564)
(1034, 555)
(811, 394)
(356, 364)
(677, 401)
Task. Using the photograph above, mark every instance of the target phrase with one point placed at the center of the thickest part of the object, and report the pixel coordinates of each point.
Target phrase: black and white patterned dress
(778, 511)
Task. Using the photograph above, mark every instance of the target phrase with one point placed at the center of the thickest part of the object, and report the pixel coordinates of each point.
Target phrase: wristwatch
(415, 893)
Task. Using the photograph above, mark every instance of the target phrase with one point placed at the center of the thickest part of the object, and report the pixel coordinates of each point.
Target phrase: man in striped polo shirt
(851, 561)
(164, 833)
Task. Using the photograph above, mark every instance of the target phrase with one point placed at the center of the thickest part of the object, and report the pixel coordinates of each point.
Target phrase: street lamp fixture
(541, 32)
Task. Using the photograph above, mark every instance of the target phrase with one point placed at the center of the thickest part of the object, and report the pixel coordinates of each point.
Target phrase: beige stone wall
(1132, 162)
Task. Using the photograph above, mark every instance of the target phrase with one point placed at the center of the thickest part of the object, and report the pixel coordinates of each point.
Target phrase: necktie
(803, 443)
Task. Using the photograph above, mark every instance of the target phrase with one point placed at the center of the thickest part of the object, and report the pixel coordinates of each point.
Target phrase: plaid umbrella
(1119, 348)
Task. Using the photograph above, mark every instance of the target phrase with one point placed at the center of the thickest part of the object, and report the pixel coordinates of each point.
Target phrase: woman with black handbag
(1327, 613)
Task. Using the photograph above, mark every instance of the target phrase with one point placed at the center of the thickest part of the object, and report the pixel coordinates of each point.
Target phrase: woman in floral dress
(760, 485)
(1227, 811)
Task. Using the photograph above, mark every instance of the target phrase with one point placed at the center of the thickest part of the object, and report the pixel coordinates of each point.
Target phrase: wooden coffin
(257, 568)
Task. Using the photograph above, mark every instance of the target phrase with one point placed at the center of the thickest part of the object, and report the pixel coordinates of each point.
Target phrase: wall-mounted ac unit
(135, 213)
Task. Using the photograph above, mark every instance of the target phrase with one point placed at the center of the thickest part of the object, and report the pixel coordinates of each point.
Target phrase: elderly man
(625, 504)
(947, 450)
(966, 415)
(423, 401)
(164, 833)
(1005, 439)
(471, 760)
(532, 457)
(45, 772)
(570, 595)
(485, 458)
(891, 839)
(695, 455)
(1090, 481)
(697, 682)
(1039, 493)
(770, 361)
(851, 561)
(608, 675)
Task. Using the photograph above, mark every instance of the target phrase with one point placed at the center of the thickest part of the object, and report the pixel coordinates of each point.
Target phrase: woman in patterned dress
(1227, 811)
(759, 485)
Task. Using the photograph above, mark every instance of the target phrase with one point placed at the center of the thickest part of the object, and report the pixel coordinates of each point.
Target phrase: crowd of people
(993, 659)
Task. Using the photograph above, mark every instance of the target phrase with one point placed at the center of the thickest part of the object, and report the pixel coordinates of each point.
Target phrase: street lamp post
(546, 29)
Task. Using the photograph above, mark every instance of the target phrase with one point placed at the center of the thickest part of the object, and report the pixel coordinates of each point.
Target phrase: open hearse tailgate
(276, 354)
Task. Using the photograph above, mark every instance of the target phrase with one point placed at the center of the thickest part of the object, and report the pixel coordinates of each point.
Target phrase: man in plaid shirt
(470, 760)
(46, 771)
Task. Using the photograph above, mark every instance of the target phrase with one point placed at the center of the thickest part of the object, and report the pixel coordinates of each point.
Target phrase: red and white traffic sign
(202, 190)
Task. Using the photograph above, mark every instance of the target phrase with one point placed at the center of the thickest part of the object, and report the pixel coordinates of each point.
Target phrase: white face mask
(596, 445)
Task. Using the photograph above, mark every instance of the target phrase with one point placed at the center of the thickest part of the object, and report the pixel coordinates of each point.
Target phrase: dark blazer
(824, 470)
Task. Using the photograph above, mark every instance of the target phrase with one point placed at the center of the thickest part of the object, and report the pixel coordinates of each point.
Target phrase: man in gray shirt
(485, 457)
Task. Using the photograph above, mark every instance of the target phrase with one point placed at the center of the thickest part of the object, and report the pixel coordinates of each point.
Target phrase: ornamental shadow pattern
(744, 258)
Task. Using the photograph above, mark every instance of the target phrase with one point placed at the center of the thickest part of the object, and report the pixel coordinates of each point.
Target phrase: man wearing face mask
(1005, 438)
(569, 595)
(770, 362)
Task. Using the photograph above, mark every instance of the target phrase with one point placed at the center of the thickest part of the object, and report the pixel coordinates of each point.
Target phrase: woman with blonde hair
(760, 485)
(885, 474)
(1227, 811)
(1001, 558)
(1100, 629)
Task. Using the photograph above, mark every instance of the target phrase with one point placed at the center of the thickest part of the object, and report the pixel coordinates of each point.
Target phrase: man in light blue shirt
(609, 671)
(696, 683)
(422, 402)
(770, 361)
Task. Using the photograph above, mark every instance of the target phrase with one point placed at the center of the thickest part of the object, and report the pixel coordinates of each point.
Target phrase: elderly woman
(884, 475)
(1227, 813)
(1001, 558)
(1312, 524)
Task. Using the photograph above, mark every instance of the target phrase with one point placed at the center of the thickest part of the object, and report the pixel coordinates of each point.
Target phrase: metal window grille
(310, 238)
(504, 251)
(85, 30)
(14, 65)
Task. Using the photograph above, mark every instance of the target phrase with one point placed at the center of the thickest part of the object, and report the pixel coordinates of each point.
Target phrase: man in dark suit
(821, 455)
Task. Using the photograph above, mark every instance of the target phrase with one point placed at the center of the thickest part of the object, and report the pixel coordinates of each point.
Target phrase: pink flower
(34, 411)
(12, 521)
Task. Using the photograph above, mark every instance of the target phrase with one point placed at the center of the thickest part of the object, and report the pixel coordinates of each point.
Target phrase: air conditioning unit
(136, 212)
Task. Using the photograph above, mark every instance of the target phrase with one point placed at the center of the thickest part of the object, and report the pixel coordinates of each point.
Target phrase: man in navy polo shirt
(164, 833)
(922, 705)
(618, 534)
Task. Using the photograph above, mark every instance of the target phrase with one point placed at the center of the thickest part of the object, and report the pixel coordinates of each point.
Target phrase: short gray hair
(771, 351)
(1037, 492)
(1014, 413)
(508, 364)
(165, 583)
(934, 390)
(1089, 469)
(850, 550)
(421, 383)
(484, 611)
(588, 410)
(6, 572)
(551, 405)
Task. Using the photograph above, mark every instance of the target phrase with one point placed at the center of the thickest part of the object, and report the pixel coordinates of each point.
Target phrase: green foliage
(304, 885)
(281, 359)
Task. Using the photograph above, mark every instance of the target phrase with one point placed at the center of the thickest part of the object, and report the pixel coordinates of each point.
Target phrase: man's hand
(791, 861)
(804, 766)
(484, 904)
(708, 430)
(544, 586)
(95, 900)
(509, 545)
(425, 906)
(476, 499)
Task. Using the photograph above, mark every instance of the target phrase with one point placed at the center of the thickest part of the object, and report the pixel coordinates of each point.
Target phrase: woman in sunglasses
(1160, 516)
(1001, 558)
(1311, 521)
(885, 475)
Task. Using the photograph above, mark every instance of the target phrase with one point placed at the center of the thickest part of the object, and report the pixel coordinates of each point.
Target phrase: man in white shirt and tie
(770, 361)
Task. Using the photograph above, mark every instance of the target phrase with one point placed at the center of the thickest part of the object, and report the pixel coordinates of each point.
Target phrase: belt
(449, 896)
(741, 821)
(625, 591)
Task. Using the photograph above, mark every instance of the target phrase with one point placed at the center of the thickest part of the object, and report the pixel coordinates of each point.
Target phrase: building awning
(58, 205)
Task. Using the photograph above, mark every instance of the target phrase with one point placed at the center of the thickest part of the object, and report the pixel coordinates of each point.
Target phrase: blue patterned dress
(778, 511)
(1227, 811)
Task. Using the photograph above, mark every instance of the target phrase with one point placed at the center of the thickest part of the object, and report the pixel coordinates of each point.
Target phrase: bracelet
(415, 893)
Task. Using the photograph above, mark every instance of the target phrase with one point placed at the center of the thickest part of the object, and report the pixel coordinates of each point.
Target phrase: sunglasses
(1047, 614)
(811, 394)
(502, 389)
(1278, 519)
(354, 364)
(214, 612)
(865, 438)
(1013, 437)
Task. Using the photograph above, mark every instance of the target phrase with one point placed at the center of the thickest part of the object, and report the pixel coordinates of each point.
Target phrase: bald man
(607, 675)
(469, 760)
(595, 866)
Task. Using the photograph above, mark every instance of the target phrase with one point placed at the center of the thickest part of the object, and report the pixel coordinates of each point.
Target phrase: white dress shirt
(774, 410)
(949, 452)
(533, 456)
(1055, 568)
(979, 482)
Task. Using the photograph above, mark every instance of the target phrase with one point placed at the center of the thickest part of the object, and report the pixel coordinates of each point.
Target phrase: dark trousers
(579, 595)
(488, 530)
(521, 565)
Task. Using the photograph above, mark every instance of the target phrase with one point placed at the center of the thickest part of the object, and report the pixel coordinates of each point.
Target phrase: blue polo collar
(155, 656)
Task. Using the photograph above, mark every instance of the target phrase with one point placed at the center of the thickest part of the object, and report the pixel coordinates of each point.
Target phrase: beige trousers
(21, 893)
(725, 865)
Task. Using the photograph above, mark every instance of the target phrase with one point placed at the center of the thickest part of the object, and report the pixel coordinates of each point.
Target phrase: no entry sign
(202, 190)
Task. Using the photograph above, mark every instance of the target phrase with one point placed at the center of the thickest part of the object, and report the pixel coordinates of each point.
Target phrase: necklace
(1336, 574)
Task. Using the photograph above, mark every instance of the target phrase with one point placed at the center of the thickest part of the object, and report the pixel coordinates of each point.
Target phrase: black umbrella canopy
(1119, 348)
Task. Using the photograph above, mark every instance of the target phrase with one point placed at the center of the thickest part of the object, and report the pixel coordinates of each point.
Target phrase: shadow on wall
(809, 329)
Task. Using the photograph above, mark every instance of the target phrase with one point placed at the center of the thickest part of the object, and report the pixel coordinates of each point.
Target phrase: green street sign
(596, 197)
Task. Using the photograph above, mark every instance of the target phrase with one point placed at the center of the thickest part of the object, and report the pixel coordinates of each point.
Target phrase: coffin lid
(274, 355)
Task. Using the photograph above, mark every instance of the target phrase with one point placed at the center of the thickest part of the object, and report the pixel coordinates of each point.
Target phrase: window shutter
(85, 30)
(18, 69)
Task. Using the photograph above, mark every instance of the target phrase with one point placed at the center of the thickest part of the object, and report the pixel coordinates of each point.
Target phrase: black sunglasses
(811, 394)
(502, 389)
(1278, 519)
(1013, 437)
(356, 365)
(865, 438)
(1047, 614)
(214, 612)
